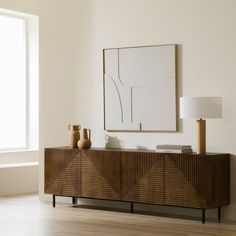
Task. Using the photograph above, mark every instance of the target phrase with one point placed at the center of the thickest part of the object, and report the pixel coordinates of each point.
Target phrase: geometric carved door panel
(188, 181)
(142, 177)
(63, 172)
(101, 174)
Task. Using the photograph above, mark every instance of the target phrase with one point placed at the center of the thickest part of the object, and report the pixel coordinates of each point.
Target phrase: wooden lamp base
(201, 126)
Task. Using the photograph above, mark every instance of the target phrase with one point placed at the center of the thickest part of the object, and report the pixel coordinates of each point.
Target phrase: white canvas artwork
(140, 88)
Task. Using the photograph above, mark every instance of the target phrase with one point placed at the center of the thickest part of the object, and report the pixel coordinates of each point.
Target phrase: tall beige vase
(85, 141)
(74, 135)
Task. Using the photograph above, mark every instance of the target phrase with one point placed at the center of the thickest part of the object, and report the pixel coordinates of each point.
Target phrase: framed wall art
(140, 88)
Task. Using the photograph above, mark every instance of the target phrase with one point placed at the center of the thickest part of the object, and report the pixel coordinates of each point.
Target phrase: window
(18, 82)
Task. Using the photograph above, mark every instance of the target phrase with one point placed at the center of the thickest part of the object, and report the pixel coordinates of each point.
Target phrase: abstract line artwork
(140, 88)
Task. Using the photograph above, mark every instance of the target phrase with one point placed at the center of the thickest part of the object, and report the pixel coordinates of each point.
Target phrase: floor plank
(27, 216)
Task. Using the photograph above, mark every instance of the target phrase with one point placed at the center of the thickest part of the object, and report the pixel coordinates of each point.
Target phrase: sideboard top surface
(136, 150)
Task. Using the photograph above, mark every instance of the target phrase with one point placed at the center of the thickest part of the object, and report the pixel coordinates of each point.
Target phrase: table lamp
(201, 108)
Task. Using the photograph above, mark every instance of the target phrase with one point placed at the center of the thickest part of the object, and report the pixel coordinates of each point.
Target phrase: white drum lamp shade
(201, 108)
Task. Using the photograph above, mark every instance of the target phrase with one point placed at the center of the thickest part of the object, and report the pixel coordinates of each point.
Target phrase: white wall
(73, 36)
(61, 46)
(26, 6)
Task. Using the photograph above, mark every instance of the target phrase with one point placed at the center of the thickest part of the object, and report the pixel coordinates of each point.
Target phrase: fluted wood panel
(142, 177)
(190, 180)
(101, 174)
(63, 172)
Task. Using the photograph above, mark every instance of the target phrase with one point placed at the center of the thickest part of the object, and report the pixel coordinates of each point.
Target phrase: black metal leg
(131, 207)
(203, 216)
(53, 200)
(74, 200)
(219, 213)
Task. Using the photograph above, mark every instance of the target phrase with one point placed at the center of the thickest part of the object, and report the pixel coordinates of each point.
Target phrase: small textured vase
(85, 142)
(74, 135)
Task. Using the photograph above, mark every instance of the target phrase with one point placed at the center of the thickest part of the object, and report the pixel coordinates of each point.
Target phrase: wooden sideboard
(139, 176)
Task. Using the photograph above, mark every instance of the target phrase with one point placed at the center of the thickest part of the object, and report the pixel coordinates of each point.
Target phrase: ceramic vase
(74, 135)
(85, 141)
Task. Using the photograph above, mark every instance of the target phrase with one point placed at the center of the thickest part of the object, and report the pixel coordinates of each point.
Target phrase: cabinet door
(62, 172)
(188, 180)
(101, 174)
(142, 177)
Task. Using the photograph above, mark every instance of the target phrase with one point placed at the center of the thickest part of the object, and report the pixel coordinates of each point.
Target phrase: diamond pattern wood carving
(64, 177)
(142, 177)
(189, 180)
(182, 186)
(101, 174)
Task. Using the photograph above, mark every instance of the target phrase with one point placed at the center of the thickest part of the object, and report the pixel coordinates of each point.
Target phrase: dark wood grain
(142, 177)
(101, 174)
(62, 172)
(198, 181)
(188, 180)
(221, 181)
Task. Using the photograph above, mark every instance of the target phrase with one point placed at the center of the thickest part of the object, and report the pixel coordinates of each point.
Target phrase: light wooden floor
(27, 216)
